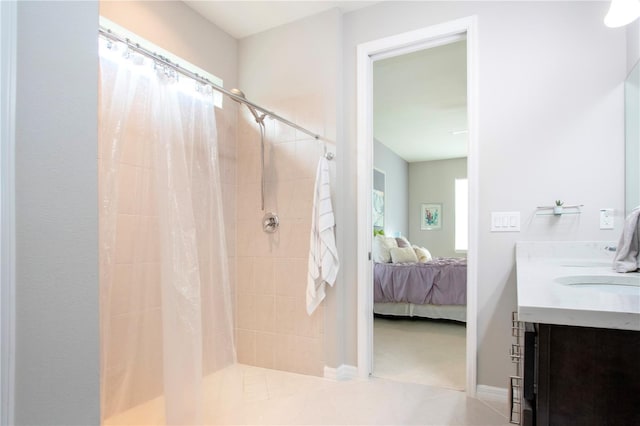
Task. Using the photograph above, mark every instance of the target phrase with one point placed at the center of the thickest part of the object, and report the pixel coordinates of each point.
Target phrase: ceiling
(419, 98)
(420, 103)
(243, 18)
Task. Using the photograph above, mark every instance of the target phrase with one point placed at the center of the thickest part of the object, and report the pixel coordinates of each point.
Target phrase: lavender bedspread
(442, 281)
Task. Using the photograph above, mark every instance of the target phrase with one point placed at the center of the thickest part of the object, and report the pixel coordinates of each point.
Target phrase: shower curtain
(166, 317)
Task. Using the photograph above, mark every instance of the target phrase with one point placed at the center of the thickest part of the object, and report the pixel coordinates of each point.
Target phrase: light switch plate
(606, 218)
(505, 221)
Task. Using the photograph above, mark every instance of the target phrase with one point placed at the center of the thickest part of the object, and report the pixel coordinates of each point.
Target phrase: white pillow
(381, 246)
(403, 255)
(422, 254)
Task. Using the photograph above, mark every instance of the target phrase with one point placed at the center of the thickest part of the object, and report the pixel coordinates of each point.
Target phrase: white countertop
(542, 299)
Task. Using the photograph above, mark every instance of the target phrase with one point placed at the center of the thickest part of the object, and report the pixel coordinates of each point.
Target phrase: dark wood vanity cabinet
(580, 376)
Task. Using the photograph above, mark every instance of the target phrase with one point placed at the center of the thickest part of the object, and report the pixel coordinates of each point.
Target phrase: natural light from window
(217, 96)
(462, 215)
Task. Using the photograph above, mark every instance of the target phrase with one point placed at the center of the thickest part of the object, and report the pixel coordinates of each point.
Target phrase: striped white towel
(323, 255)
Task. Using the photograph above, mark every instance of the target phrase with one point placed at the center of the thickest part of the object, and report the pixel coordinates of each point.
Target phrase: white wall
(396, 204)
(434, 182)
(550, 126)
(57, 336)
(8, 33)
(633, 44)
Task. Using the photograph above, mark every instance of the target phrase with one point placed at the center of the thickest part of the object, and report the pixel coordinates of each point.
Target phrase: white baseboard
(492, 393)
(343, 372)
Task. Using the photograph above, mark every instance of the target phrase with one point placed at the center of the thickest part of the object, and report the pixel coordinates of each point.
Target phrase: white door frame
(389, 47)
(7, 207)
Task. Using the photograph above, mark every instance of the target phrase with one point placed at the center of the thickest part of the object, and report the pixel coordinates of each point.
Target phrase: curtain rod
(156, 57)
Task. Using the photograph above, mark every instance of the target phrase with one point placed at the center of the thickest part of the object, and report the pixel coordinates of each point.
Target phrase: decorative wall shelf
(548, 210)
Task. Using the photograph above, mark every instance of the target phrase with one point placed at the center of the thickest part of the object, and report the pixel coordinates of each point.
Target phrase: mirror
(632, 139)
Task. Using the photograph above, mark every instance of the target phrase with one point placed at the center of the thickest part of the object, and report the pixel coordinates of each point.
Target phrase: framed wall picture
(431, 216)
(378, 199)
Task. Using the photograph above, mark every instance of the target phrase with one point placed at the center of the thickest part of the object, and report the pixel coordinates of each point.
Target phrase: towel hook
(327, 154)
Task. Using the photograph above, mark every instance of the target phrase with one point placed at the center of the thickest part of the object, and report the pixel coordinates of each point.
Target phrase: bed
(433, 289)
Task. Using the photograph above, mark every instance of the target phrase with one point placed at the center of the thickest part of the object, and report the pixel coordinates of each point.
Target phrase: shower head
(240, 94)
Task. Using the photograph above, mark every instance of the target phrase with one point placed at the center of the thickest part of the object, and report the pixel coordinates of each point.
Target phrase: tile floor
(245, 395)
(427, 352)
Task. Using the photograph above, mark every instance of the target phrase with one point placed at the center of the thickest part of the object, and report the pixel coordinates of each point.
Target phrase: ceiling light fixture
(622, 12)
(459, 132)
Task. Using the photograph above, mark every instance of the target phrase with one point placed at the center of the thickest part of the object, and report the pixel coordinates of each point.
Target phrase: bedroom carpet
(426, 352)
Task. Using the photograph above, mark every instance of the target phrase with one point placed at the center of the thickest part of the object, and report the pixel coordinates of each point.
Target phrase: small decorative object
(557, 209)
(378, 209)
(431, 217)
(379, 178)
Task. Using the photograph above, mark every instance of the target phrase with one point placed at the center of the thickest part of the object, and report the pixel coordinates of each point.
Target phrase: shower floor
(245, 395)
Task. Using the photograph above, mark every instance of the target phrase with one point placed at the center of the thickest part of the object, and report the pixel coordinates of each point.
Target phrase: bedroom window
(461, 215)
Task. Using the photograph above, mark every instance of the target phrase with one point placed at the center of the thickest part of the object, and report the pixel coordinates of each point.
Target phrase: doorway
(378, 50)
(420, 144)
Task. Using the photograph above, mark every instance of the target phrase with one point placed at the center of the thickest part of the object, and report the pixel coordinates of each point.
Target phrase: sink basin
(619, 284)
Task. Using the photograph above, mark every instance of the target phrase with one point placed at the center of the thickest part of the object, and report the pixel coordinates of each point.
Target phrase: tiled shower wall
(133, 316)
(227, 160)
(178, 28)
(273, 328)
(135, 323)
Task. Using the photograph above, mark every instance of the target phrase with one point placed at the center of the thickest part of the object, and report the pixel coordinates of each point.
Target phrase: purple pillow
(402, 242)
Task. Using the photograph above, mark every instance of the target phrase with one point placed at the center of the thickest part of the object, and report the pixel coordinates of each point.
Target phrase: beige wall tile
(131, 151)
(246, 311)
(265, 349)
(121, 301)
(263, 276)
(285, 354)
(248, 200)
(147, 195)
(309, 355)
(252, 241)
(126, 238)
(290, 276)
(245, 275)
(129, 189)
(294, 238)
(282, 132)
(147, 276)
(249, 165)
(246, 347)
(265, 308)
(308, 153)
(147, 371)
(285, 314)
(279, 260)
(280, 164)
(150, 239)
(308, 325)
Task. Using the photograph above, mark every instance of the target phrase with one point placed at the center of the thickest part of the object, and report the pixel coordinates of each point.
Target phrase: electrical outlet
(606, 218)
